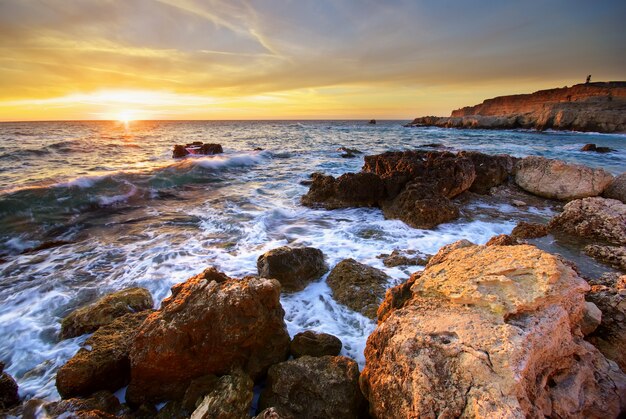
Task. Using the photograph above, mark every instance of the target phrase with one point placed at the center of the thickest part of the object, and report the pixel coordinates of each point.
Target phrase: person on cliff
(588, 79)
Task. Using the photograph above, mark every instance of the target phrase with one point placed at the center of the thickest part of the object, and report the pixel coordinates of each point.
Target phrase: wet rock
(612, 255)
(273, 413)
(592, 317)
(8, 390)
(197, 147)
(491, 170)
(230, 398)
(490, 332)
(308, 387)
(314, 344)
(372, 122)
(518, 203)
(358, 286)
(396, 297)
(350, 150)
(420, 207)
(294, 268)
(88, 319)
(445, 173)
(502, 240)
(593, 147)
(102, 404)
(608, 293)
(405, 258)
(559, 180)
(198, 388)
(348, 190)
(524, 230)
(103, 363)
(593, 218)
(443, 252)
(617, 189)
(172, 410)
(210, 325)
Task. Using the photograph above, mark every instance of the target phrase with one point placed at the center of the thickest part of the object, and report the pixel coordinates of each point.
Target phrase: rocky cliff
(598, 107)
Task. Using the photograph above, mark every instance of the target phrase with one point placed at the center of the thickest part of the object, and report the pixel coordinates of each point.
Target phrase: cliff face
(597, 107)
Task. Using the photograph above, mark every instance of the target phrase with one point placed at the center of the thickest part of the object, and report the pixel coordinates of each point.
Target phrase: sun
(125, 116)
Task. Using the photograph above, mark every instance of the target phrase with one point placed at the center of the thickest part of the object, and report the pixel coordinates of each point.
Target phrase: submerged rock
(103, 363)
(210, 325)
(231, 397)
(358, 286)
(556, 179)
(593, 147)
(8, 390)
(489, 332)
(308, 387)
(293, 267)
(608, 293)
(314, 344)
(88, 319)
(617, 189)
(404, 258)
(593, 218)
(197, 147)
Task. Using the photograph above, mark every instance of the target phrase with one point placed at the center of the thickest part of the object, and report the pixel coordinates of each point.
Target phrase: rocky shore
(590, 107)
(497, 330)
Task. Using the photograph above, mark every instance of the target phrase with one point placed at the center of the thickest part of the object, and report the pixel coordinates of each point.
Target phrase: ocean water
(133, 216)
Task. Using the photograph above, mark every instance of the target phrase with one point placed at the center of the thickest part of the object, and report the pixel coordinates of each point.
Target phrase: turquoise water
(133, 216)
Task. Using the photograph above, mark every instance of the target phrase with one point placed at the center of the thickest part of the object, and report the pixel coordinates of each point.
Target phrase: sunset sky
(271, 59)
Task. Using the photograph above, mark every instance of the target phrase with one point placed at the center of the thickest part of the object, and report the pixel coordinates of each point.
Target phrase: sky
(295, 59)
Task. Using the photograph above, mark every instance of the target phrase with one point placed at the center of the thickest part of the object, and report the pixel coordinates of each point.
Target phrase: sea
(126, 214)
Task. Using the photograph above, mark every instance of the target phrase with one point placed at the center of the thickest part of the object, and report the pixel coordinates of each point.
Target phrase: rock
(518, 203)
(88, 319)
(294, 268)
(348, 155)
(314, 344)
(348, 190)
(592, 317)
(593, 218)
(197, 147)
(231, 398)
(445, 173)
(308, 387)
(502, 240)
(396, 297)
(556, 179)
(443, 252)
(610, 337)
(617, 189)
(524, 230)
(103, 363)
(613, 255)
(491, 170)
(597, 107)
(210, 325)
(489, 332)
(350, 150)
(8, 390)
(405, 258)
(419, 207)
(593, 147)
(372, 122)
(102, 404)
(358, 286)
(198, 388)
(273, 413)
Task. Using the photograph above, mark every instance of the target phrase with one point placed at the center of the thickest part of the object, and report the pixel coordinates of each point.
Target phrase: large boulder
(491, 170)
(556, 179)
(358, 286)
(593, 218)
(419, 206)
(447, 173)
(489, 332)
(348, 190)
(315, 344)
(8, 390)
(103, 363)
(608, 293)
(231, 397)
(293, 267)
(617, 189)
(210, 325)
(308, 387)
(88, 319)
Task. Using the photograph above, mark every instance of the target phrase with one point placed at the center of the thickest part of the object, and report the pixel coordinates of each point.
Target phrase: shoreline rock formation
(589, 107)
